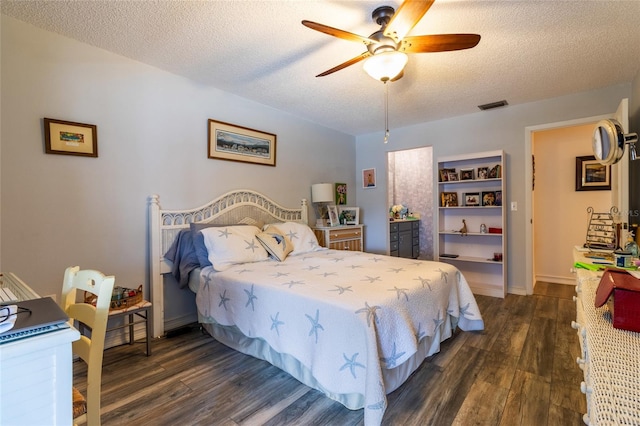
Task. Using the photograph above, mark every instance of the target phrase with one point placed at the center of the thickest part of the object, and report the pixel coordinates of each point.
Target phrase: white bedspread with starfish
(344, 315)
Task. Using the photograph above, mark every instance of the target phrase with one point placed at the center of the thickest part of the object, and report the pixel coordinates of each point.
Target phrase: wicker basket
(121, 298)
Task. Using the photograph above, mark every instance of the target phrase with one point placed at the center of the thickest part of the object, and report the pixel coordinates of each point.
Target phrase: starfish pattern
(315, 324)
(224, 233)
(371, 279)
(207, 281)
(251, 245)
(241, 271)
(443, 275)
(380, 405)
(251, 297)
(464, 310)
(355, 266)
(351, 364)
(424, 281)
(420, 334)
(376, 259)
(396, 270)
(400, 291)
(326, 274)
(438, 321)
(341, 289)
(311, 268)
(371, 313)
(275, 323)
(390, 362)
(223, 300)
(280, 274)
(292, 235)
(338, 259)
(292, 283)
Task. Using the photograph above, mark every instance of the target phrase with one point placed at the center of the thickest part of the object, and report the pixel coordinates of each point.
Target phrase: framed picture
(472, 199)
(236, 143)
(591, 175)
(483, 172)
(489, 198)
(369, 178)
(449, 199)
(444, 174)
(69, 138)
(453, 176)
(341, 193)
(467, 174)
(495, 172)
(334, 219)
(498, 198)
(349, 215)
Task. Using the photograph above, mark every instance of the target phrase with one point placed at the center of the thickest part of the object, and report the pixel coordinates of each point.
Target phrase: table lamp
(321, 197)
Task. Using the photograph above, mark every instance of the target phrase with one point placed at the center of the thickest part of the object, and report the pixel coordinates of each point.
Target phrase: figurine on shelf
(463, 230)
(632, 246)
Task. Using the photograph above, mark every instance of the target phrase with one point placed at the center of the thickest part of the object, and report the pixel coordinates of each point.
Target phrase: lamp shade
(322, 192)
(386, 65)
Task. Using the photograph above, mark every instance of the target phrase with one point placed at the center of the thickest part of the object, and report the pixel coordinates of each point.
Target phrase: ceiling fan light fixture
(386, 65)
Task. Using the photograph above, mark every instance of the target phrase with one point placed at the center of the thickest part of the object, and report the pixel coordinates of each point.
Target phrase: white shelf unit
(476, 249)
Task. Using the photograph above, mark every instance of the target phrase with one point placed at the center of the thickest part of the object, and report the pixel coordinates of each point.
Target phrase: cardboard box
(621, 292)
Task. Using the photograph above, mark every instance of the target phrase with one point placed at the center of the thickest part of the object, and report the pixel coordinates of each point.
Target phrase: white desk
(36, 373)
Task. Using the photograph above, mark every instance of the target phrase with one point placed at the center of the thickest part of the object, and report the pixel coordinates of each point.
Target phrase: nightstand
(344, 237)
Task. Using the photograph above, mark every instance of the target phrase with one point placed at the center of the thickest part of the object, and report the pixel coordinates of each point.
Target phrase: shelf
(469, 259)
(456, 182)
(472, 207)
(470, 234)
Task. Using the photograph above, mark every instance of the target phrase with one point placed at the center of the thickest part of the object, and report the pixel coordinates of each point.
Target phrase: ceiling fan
(387, 47)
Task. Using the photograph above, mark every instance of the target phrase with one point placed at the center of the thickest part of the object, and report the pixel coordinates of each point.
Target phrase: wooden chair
(89, 348)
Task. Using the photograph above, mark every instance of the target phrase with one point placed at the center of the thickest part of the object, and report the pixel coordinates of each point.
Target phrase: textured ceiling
(259, 50)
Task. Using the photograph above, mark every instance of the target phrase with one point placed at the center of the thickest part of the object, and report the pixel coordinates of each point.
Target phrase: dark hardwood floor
(520, 370)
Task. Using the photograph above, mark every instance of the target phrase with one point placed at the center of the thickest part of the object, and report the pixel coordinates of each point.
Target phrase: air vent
(493, 105)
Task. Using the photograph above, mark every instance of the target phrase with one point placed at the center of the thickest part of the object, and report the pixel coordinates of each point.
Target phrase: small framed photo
(453, 176)
(591, 175)
(483, 172)
(369, 178)
(467, 174)
(334, 219)
(489, 198)
(236, 143)
(349, 215)
(341, 194)
(495, 172)
(69, 138)
(444, 174)
(498, 198)
(472, 199)
(449, 199)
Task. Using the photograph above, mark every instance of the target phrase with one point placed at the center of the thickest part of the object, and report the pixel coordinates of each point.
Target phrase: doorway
(410, 177)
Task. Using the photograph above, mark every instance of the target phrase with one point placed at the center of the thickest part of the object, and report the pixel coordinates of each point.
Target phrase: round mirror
(608, 142)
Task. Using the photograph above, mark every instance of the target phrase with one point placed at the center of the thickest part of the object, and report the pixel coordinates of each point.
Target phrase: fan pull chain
(386, 112)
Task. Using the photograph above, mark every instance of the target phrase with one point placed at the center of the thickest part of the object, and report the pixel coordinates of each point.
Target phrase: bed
(353, 325)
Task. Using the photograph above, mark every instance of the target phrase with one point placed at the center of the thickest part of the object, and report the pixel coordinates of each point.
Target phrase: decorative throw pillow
(301, 236)
(230, 245)
(276, 244)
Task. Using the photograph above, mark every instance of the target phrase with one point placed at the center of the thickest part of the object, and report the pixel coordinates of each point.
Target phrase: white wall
(502, 128)
(560, 215)
(60, 210)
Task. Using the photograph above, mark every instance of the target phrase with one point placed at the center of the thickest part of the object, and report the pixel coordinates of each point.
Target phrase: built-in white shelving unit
(481, 253)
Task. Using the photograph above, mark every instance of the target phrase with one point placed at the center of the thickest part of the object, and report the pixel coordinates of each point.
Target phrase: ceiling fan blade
(345, 64)
(438, 43)
(346, 35)
(406, 17)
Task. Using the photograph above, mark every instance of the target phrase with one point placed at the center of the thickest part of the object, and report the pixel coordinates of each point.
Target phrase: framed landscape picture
(69, 138)
(350, 215)
(236, 143)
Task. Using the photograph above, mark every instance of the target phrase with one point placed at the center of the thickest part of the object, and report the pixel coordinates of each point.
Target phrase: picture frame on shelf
(349, 215)
(444, 174)
(334, 218)
(70, 138)
(498, 198)
(341, 194)
(472, 199)
(488, 198)
(483, 173)
(495, 172)
(236, 143)
(467, 174)
(453, 176)
(591, 175)
(449, 199)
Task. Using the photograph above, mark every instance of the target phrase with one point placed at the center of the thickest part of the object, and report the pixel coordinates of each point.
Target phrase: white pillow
(300, 235)
(276, 244)
(230, 245)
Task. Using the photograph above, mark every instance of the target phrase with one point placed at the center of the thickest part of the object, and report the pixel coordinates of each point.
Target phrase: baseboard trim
(556, 280)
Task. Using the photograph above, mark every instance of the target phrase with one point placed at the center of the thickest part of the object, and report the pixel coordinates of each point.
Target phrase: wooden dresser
(346, 237)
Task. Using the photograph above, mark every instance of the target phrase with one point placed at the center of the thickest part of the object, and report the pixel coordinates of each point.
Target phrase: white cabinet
(471, 190)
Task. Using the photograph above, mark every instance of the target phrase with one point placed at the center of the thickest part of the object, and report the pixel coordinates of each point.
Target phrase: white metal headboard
(228, 209)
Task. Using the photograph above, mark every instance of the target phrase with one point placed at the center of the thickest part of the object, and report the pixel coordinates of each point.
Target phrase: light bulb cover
(386, 65)
(322, 192)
